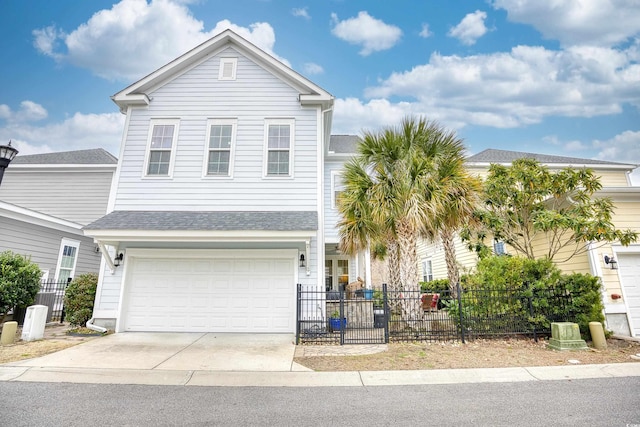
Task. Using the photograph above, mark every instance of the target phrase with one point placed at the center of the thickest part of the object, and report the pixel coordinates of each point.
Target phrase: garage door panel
(211, 295)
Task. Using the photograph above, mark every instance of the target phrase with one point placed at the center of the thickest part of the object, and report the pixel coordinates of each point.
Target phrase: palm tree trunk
(453, 273)
(393, 264)
(411, 309)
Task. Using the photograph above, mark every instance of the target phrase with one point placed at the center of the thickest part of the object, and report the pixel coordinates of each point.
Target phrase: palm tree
(455, 195)
(387, 196)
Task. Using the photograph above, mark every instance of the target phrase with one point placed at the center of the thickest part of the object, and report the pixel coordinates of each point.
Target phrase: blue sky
(542, 76)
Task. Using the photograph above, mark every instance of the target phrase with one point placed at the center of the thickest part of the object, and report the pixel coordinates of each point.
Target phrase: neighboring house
(621, 287)
(46, 199)
(219, 204)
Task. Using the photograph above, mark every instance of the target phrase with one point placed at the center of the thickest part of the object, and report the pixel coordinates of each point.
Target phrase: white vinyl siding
(279, 147)
(221, 137)
(227, 68)
(161, 148)
(67, 259)
(73, 194)
(195, 97)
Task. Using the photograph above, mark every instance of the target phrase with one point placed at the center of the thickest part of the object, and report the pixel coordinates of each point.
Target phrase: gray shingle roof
(505, 156)
(213, 221)
(344, 144)
(96, 156)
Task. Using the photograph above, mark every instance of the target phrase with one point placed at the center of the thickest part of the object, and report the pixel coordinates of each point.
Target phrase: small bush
(19, 282)
(435, 286)
(79, 298)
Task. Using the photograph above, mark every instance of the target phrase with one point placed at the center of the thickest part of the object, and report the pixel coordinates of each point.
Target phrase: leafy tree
(19, 282)
(79, 299)
(393, 193)
(526, 203)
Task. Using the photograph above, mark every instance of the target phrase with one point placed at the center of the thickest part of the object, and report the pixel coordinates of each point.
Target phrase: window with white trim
(228, 68)
(499, 247)
(221, 141)
(67, 259)
(161, 147)
(279, 148)
(337, 187)
(427, 270)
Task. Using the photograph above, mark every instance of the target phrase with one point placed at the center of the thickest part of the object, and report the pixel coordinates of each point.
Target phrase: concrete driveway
(176, 352)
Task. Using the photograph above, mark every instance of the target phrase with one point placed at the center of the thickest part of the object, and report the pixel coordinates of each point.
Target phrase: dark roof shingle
(504, 156)
(96, 156)
(213, 221)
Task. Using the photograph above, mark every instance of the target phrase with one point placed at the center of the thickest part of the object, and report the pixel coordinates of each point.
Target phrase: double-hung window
(279, 147)
(337, 187)
(427, 270)
(161, 148)
(221, 141)
(67, 259)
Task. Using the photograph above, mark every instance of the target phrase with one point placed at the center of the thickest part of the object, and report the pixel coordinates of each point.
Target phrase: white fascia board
(620, 194)
(18, 213)
(198, 236)
(57, 167)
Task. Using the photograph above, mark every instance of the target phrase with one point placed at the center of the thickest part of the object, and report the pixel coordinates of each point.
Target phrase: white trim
(27, 167)
(233, 62)
(233, 122)
(631, 249)
(71, 243)
(113, 193)
(292, 140)
(19, 213)
(174, 142)
(108, 236)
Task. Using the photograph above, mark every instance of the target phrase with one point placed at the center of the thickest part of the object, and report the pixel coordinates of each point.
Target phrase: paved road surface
(592, 402)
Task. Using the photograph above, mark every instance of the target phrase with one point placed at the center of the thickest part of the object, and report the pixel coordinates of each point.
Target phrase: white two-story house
(223, 200)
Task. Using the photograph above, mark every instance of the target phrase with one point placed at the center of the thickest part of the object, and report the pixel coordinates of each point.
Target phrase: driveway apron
(176, 351)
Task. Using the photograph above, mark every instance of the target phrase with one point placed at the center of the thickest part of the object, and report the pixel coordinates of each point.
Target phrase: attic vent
(228, 68)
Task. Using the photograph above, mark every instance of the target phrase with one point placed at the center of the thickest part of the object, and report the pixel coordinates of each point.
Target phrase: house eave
(19, 213)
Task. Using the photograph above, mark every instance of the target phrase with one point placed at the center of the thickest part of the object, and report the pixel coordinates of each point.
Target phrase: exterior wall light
(117, 260)
(303, 263)
(611, 262)
(7, 153)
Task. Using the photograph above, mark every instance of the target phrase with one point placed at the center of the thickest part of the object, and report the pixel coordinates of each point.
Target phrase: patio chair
(430, 302)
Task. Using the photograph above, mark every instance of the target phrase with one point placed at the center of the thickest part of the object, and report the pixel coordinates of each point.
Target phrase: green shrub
(79, 298)
(19, 282)
(497, 297)
(435, 286)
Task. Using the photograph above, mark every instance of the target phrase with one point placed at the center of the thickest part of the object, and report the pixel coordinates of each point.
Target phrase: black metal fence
(51, 294)
(387, 316)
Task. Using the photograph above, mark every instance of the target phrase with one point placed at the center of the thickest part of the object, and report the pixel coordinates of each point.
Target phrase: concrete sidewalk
(209, 359)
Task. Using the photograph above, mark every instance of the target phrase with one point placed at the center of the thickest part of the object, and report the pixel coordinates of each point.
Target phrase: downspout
(96, 328)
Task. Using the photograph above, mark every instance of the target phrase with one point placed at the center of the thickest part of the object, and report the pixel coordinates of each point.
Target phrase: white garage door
(629, 266)
(211, 294)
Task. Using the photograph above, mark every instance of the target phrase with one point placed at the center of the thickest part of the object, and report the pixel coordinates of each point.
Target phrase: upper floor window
(337, 187)
(227, 68)
(161, 147)
(221, 141)
(279, 147)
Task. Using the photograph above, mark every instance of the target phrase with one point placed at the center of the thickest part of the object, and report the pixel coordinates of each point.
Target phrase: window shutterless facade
(337, 187)
(161, 148)
(279, 147)
(427, 270)
(220, 147)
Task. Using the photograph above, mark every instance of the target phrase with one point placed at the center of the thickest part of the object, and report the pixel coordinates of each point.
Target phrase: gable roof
(137, 93)
(504, 156)
(96, 156)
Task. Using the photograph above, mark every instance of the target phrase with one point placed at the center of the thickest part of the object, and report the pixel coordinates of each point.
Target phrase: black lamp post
(7, 153)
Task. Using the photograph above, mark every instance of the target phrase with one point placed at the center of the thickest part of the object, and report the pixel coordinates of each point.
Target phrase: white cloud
(80, 131)
(301, 12)
(593, 22)
(573, 146)
(520, 87)
(29, 111)
(311, 68)
(134, 38)
(425, 32)
(470, 29)
(372, 34)
(624, 147)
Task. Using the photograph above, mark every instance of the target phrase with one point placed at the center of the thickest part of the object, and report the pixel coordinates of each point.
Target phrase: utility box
(34, 322)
